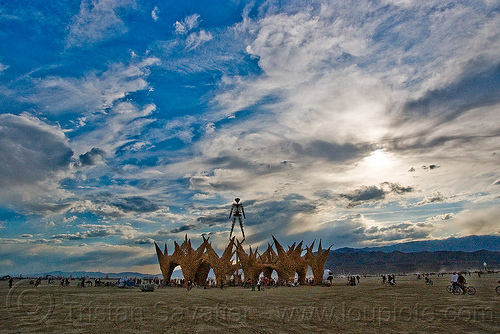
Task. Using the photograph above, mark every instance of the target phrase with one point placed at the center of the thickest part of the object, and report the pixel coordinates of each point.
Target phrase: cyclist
(461, 283)
(454, 280)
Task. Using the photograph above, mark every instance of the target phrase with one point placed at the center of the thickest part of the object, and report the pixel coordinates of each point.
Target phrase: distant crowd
(458, 279)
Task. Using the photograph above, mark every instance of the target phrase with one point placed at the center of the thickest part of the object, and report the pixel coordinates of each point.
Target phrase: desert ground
(369, 307)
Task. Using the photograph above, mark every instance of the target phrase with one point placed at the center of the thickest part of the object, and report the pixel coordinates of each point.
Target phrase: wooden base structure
(196, 263)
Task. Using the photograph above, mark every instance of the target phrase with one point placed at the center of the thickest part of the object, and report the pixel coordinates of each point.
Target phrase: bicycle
(470, 290)
(458, 289)
(498, 288)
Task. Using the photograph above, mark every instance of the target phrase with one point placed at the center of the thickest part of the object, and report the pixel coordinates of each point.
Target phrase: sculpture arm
(231, 213)
(243, 212)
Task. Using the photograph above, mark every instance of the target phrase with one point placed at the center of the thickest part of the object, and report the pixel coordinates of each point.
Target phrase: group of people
(390, 279)
(426, 278)
(351, 280)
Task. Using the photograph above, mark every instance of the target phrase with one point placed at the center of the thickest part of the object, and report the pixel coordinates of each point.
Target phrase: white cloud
(186, 28)
(50, 224)
(69, 219)
(189, 23)
(3, 67)
(478, 221)
(474, 221)
(38, 156)
(97, 21)
(139, 146)
(144, 241)
(403, 3)
(27, 240)
(292, 46)
(118, 128)
(445, 216)
(202, 197)
(181, 128)
(154, 13)
(44, 257)
(324, 115)
(103, 209)
(99, 231)
(339, 79)
(195, 39)
(93, 92)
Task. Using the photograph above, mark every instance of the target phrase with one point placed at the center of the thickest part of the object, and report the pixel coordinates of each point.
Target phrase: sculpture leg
(241, 226)
(232, 228)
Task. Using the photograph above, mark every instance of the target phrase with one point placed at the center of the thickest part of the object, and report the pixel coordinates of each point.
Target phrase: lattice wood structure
(196, 263)
(316, 261)
(223, 266)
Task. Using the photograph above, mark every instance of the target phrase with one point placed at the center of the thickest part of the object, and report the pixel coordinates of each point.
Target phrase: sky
(129, 122)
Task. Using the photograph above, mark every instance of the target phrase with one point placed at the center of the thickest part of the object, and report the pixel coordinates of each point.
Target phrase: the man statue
(236, 212)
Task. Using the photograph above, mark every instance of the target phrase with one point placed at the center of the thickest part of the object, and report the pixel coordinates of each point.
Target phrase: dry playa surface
(409, 307)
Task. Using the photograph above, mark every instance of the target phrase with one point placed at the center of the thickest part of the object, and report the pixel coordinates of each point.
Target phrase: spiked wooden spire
(317, 261)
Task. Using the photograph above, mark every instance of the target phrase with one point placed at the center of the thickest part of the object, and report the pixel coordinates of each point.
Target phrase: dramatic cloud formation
(374, 193)
(93, 157)
(35, 157)
(125, 122)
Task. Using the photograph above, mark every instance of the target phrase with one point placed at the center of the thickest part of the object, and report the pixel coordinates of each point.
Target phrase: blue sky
(124, 122)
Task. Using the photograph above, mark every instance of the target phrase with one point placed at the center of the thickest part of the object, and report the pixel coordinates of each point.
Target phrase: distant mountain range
(452, 254)
(471, 243)
(94, 274)
(376, 263)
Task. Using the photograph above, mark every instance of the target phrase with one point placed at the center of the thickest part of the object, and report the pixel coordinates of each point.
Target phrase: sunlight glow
(378, 160)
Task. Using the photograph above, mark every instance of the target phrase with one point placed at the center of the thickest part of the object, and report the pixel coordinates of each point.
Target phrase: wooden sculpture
(251, 266)
(223, 266)
(317, 261)
(196, 263)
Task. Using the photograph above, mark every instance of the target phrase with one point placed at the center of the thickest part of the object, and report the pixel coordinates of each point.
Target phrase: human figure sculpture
(236, 212)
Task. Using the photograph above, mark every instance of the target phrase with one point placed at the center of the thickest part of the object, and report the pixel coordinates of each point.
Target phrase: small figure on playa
(236, 212)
